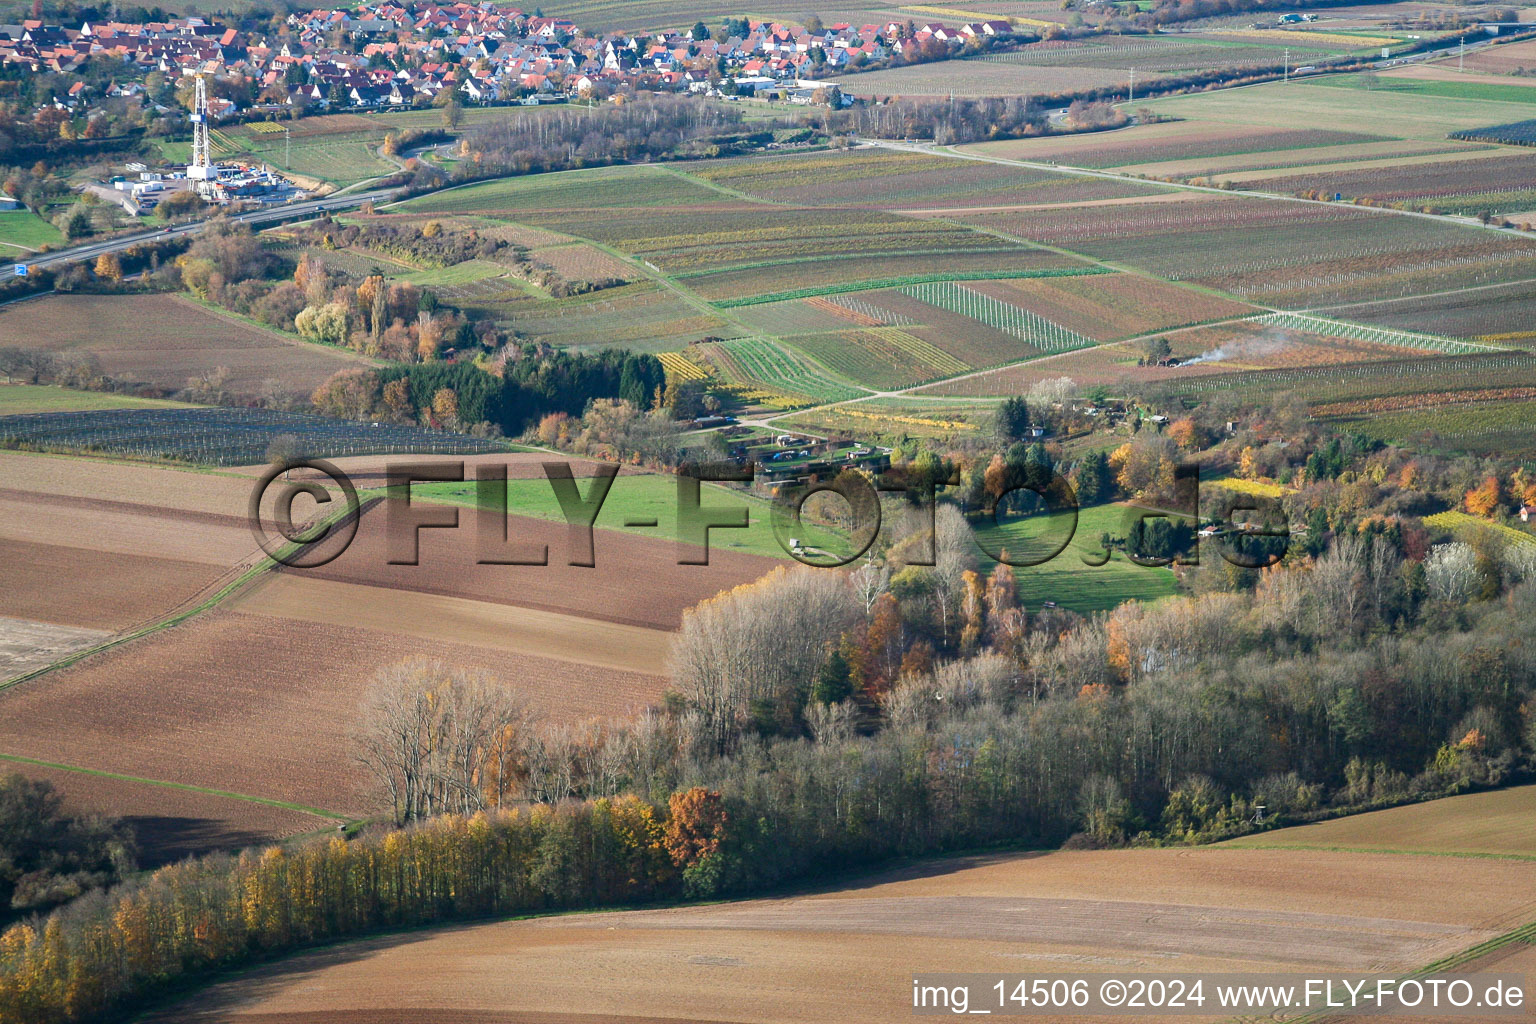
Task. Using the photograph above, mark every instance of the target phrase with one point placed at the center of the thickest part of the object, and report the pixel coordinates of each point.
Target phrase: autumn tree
(1484, 500)
(445, 407)
(695, 830)
(108, 268)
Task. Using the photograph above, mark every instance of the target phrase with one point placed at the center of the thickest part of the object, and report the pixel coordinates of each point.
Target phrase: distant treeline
(640, 129)
(945, 121)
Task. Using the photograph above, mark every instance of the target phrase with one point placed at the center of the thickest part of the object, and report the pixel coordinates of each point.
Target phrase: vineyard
(879, 357)
(1502, 184)
(861, 312)
(1458, 521)
(225, 437)
(1430, 399)
(1113, 306)
(823, 274)
(1320, 384)
(679, 367)
(1173, 141)
(1372, 335)
(775, 375)
(1484, 428)
(1304, 256)
(1520, 133)
(1039, 332)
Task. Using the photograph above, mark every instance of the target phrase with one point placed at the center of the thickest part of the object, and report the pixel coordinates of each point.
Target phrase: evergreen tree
(834, 682)
(1013, 419)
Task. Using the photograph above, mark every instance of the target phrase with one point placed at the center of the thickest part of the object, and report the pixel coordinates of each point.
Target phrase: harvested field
(787, 959)
(1501, 823)
(124, 528)
(16, 399)
(263, 706)
(171, 823)
(578, 190)
(26, 645)
(636, 580)
(164, 339)
(94, 589)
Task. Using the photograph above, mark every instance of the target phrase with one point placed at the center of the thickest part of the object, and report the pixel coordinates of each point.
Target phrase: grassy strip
(898, 282)
(1526, 934)
(304, 808)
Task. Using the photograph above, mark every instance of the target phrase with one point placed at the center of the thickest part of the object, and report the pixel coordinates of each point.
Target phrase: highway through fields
(265, 215)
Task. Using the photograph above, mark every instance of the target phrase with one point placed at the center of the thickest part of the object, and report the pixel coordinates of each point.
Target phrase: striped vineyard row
(680, 367)
(1001, 316)
(760, 363)
(1374, 335)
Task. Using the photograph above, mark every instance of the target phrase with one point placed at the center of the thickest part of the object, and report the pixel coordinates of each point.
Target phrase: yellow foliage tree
(108, 268)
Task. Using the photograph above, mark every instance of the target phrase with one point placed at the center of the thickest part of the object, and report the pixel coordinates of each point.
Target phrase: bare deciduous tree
(443, 740)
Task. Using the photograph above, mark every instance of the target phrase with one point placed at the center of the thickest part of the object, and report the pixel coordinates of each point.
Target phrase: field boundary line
(184, 786)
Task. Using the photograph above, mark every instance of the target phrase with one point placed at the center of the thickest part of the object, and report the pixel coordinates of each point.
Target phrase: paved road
(91, 250)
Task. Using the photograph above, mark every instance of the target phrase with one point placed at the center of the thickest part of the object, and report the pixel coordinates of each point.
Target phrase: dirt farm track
(849, 955)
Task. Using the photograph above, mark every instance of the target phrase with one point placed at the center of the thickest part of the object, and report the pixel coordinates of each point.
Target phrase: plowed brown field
(262, 706)
(850, 955)
(97, 589)
(635, 581)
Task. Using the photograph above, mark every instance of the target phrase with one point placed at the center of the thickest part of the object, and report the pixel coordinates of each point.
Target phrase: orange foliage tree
(1484, 499)
(696, 822)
